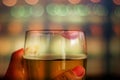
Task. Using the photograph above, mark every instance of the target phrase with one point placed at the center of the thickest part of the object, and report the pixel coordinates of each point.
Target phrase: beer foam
(55, 57)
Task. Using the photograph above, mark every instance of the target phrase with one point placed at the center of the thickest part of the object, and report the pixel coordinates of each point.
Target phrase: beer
(47, 68)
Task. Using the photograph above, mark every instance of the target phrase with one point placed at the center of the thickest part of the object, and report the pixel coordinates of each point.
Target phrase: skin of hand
(15, 69)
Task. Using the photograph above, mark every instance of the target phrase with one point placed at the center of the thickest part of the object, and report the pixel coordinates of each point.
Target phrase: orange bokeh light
(74, 1)
(36, 25)
(96, 30)
(55, 26)
(74, 27)
(116, 29)
(15, 27)
(117, 2)
(32, 2)
(9, 2)
(0, 27)
(95, 1)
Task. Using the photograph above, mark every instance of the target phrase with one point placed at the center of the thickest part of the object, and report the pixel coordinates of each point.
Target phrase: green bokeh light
(27, 11)
(37, 10)
(21, 11)
(56, 10)
(117, 12)
(99, 10)
(61, 10)
(67, 10)
(67, 13)
(18, 11)
(81, 10)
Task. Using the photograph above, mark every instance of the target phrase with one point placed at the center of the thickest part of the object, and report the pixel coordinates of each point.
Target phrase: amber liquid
(47, 69)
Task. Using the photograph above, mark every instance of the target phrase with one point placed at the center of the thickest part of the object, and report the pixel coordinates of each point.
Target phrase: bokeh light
(5, 46)
(18, 11)
(117, 11)
(116, 29)
(32, 2)
(0, 27)
(68, 13)
(18, 43)
(115, 15)
(117, 2)
(115, 46)
(56, 10)
(98, 13)
(74, 1)
(74, 27)
(96, 30)
(96, 46)
(77, 13)
(35, 25)
(9, 3)
(99, 10)
(55, 26)
(15, 27)
(37, 10)
(95, 66)
(64, 10)
(24, 11)
(81, 10)
(95, 1)
(27, 11)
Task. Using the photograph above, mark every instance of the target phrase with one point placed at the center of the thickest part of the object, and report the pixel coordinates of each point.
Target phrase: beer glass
(55, 55)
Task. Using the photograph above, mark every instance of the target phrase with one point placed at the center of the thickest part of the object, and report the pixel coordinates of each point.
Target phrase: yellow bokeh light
(5, 45)
(9, 2)
(18, 43)
(96, 46)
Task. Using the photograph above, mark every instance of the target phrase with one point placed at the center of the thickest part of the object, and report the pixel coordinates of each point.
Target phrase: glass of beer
(55, 55)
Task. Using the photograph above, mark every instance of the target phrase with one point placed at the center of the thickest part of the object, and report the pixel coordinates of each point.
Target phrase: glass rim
(52, 30)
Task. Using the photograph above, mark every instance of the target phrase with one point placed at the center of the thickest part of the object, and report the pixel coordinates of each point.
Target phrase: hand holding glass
(52, 54)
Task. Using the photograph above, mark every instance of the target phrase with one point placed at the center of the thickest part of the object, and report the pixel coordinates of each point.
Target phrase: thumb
(15, 69)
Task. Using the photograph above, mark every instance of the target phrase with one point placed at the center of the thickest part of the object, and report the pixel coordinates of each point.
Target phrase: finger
(15, 68)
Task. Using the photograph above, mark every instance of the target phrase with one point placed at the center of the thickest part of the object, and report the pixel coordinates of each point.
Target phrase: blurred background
(100, 19)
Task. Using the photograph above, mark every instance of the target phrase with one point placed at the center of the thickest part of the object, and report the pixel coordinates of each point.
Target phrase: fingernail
(79, 71)
(18, 53)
